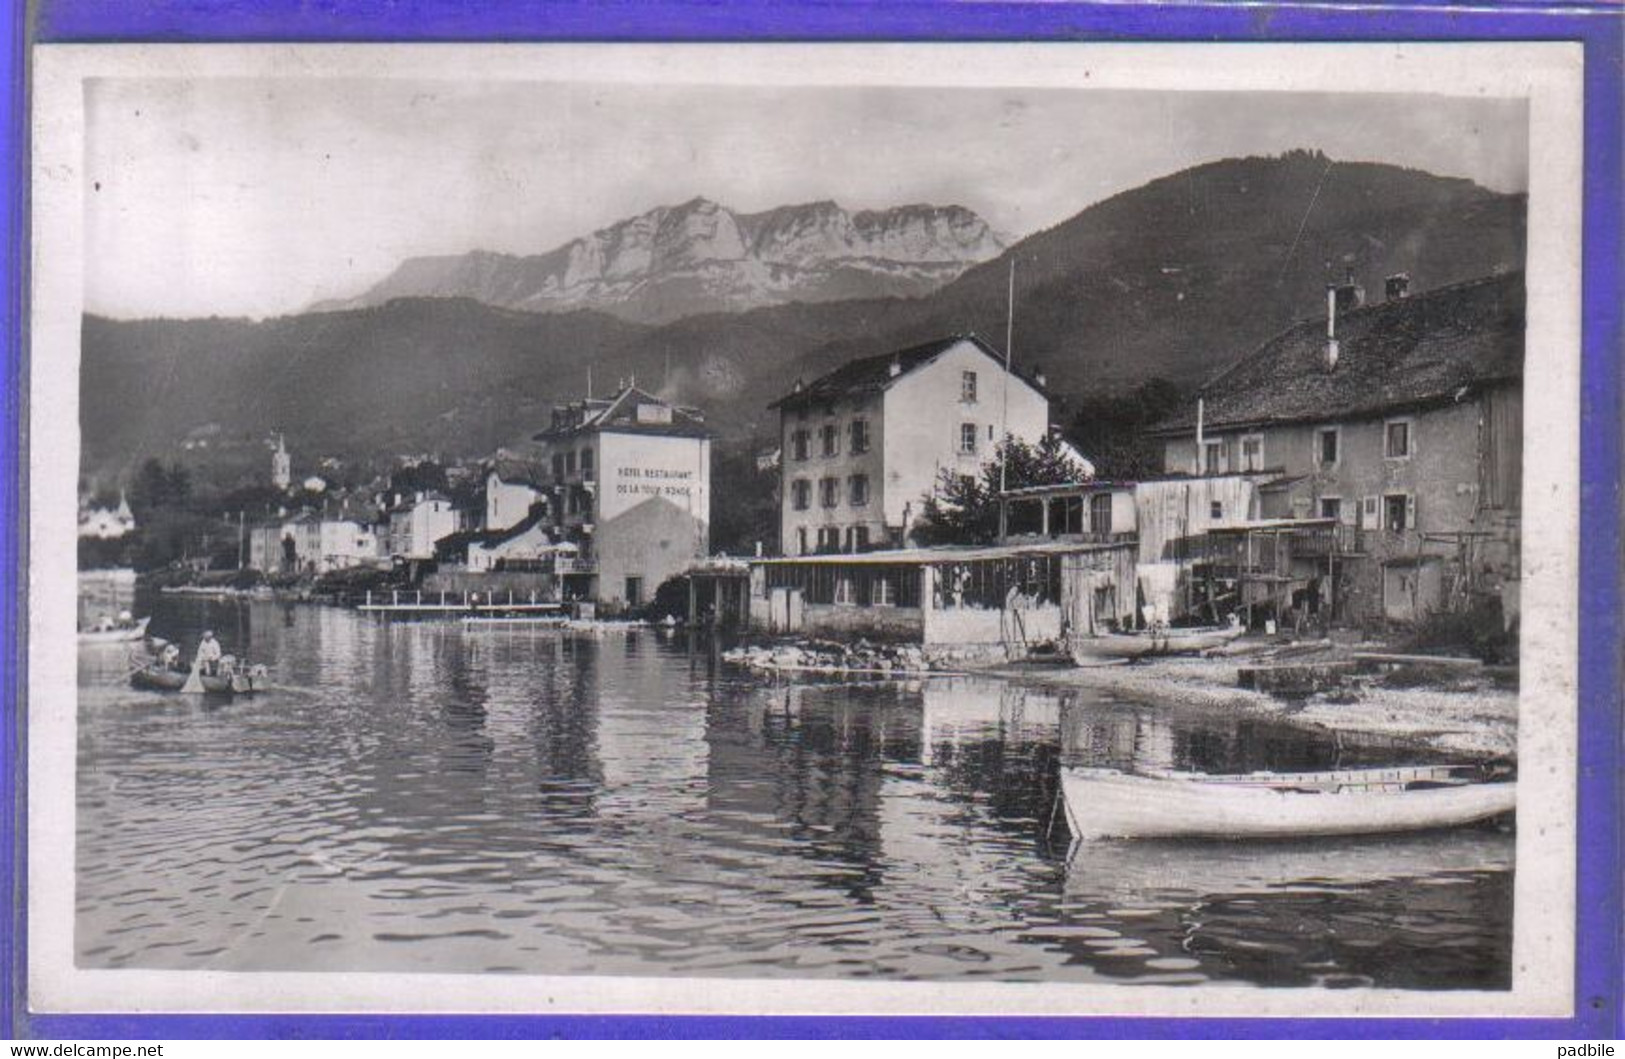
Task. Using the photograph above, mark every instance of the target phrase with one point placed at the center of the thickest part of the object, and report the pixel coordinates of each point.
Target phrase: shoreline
(1455, 714)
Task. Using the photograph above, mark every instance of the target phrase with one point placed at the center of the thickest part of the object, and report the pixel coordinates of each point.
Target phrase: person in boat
(126, 620)
(208, 653)
(170, 657)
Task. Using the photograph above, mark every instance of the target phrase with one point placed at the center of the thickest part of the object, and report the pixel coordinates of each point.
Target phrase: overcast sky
(258, 197)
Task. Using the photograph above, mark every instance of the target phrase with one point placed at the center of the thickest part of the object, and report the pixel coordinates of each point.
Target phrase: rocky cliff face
(701, 257)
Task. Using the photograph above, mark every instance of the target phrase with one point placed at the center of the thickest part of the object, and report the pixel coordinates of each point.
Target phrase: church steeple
(281, 464)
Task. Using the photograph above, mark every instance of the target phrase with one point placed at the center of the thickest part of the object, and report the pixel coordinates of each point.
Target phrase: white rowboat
(1118, 646)
(1106, 803)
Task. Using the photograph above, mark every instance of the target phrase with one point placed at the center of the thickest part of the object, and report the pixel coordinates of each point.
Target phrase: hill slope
(1173, 279)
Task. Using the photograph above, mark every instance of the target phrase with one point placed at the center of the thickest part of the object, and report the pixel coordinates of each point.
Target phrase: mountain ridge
(700, 256)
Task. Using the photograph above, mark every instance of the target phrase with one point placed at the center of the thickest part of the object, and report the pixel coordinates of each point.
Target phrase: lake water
(425, 797)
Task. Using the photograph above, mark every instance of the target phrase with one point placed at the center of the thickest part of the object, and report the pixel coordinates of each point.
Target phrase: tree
(424, 477)
(750, 510)
(965, 508)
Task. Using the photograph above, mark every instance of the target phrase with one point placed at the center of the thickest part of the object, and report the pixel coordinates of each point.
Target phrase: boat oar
(194, 680)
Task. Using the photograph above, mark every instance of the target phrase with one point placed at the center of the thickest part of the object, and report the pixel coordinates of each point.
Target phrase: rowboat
(1108, 803)
(1121, 646)
(242, 682)
(121, 634)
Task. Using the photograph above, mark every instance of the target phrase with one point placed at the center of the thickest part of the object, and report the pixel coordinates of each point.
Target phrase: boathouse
(863, 445)
(1011, 597)
(1401, 423)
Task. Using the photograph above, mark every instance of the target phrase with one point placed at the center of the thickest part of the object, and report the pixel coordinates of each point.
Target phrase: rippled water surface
(420, 796)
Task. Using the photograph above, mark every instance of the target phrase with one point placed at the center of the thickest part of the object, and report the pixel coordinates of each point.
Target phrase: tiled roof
(873, 374)
(1405, 353)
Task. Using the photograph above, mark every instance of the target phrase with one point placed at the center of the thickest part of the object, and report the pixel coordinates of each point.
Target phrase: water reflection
(421, 796)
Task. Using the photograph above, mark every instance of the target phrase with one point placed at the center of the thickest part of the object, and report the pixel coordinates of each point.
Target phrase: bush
(1479, 631)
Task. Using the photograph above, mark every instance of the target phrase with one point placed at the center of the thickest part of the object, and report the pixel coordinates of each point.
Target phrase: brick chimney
(1397, 286)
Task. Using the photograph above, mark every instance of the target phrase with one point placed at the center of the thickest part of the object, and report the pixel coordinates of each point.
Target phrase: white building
(631, 488)
(512, 489)
(864, 445)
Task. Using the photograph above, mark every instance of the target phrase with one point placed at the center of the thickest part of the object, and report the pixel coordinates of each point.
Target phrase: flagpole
(1009, 339)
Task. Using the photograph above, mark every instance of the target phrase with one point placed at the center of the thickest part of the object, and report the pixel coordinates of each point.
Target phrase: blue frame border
(1598, 24)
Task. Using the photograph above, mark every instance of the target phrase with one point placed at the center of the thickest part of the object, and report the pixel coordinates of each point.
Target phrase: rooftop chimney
(895, 368)
(1038, 377)
(1397, 286)
(1332, 299)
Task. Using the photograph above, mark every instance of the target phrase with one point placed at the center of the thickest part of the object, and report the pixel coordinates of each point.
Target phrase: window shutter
(1410, 512)
(1371, 512)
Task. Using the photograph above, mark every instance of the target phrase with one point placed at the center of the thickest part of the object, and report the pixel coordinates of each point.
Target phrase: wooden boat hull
(1146, 872)
(1120, 646)
(154, 679)
(126, 635)
(1104, 803)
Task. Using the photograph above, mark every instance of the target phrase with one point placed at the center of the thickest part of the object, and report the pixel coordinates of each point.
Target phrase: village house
(102, 523)
(865, 444)
(311, 543)
(630, 490)
(513, 488)
(1392, 433)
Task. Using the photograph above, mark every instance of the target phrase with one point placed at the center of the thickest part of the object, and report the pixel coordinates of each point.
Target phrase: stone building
(864, 445)
(630, 488)
(1400, 423)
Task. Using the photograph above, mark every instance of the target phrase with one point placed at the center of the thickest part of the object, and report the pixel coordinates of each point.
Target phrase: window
(884, 591)
(1397, 445)
(829, 491)
(1213, 457)
(569, 463)
(558, 465)
(832, 439)
(798, 444)
(1100, 513)
(801, 494)
(1370, 512)
(967, 438)
(1398, 512)
(860, 538)
(801, 540)
(844, 594)
(634, 591)
(1331, 507)
(967, 387)
(1216, 510)
(829, 539)
(1252, 452)
(857, 488)
(860, 436)
(586, 463)
(1326, 446)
